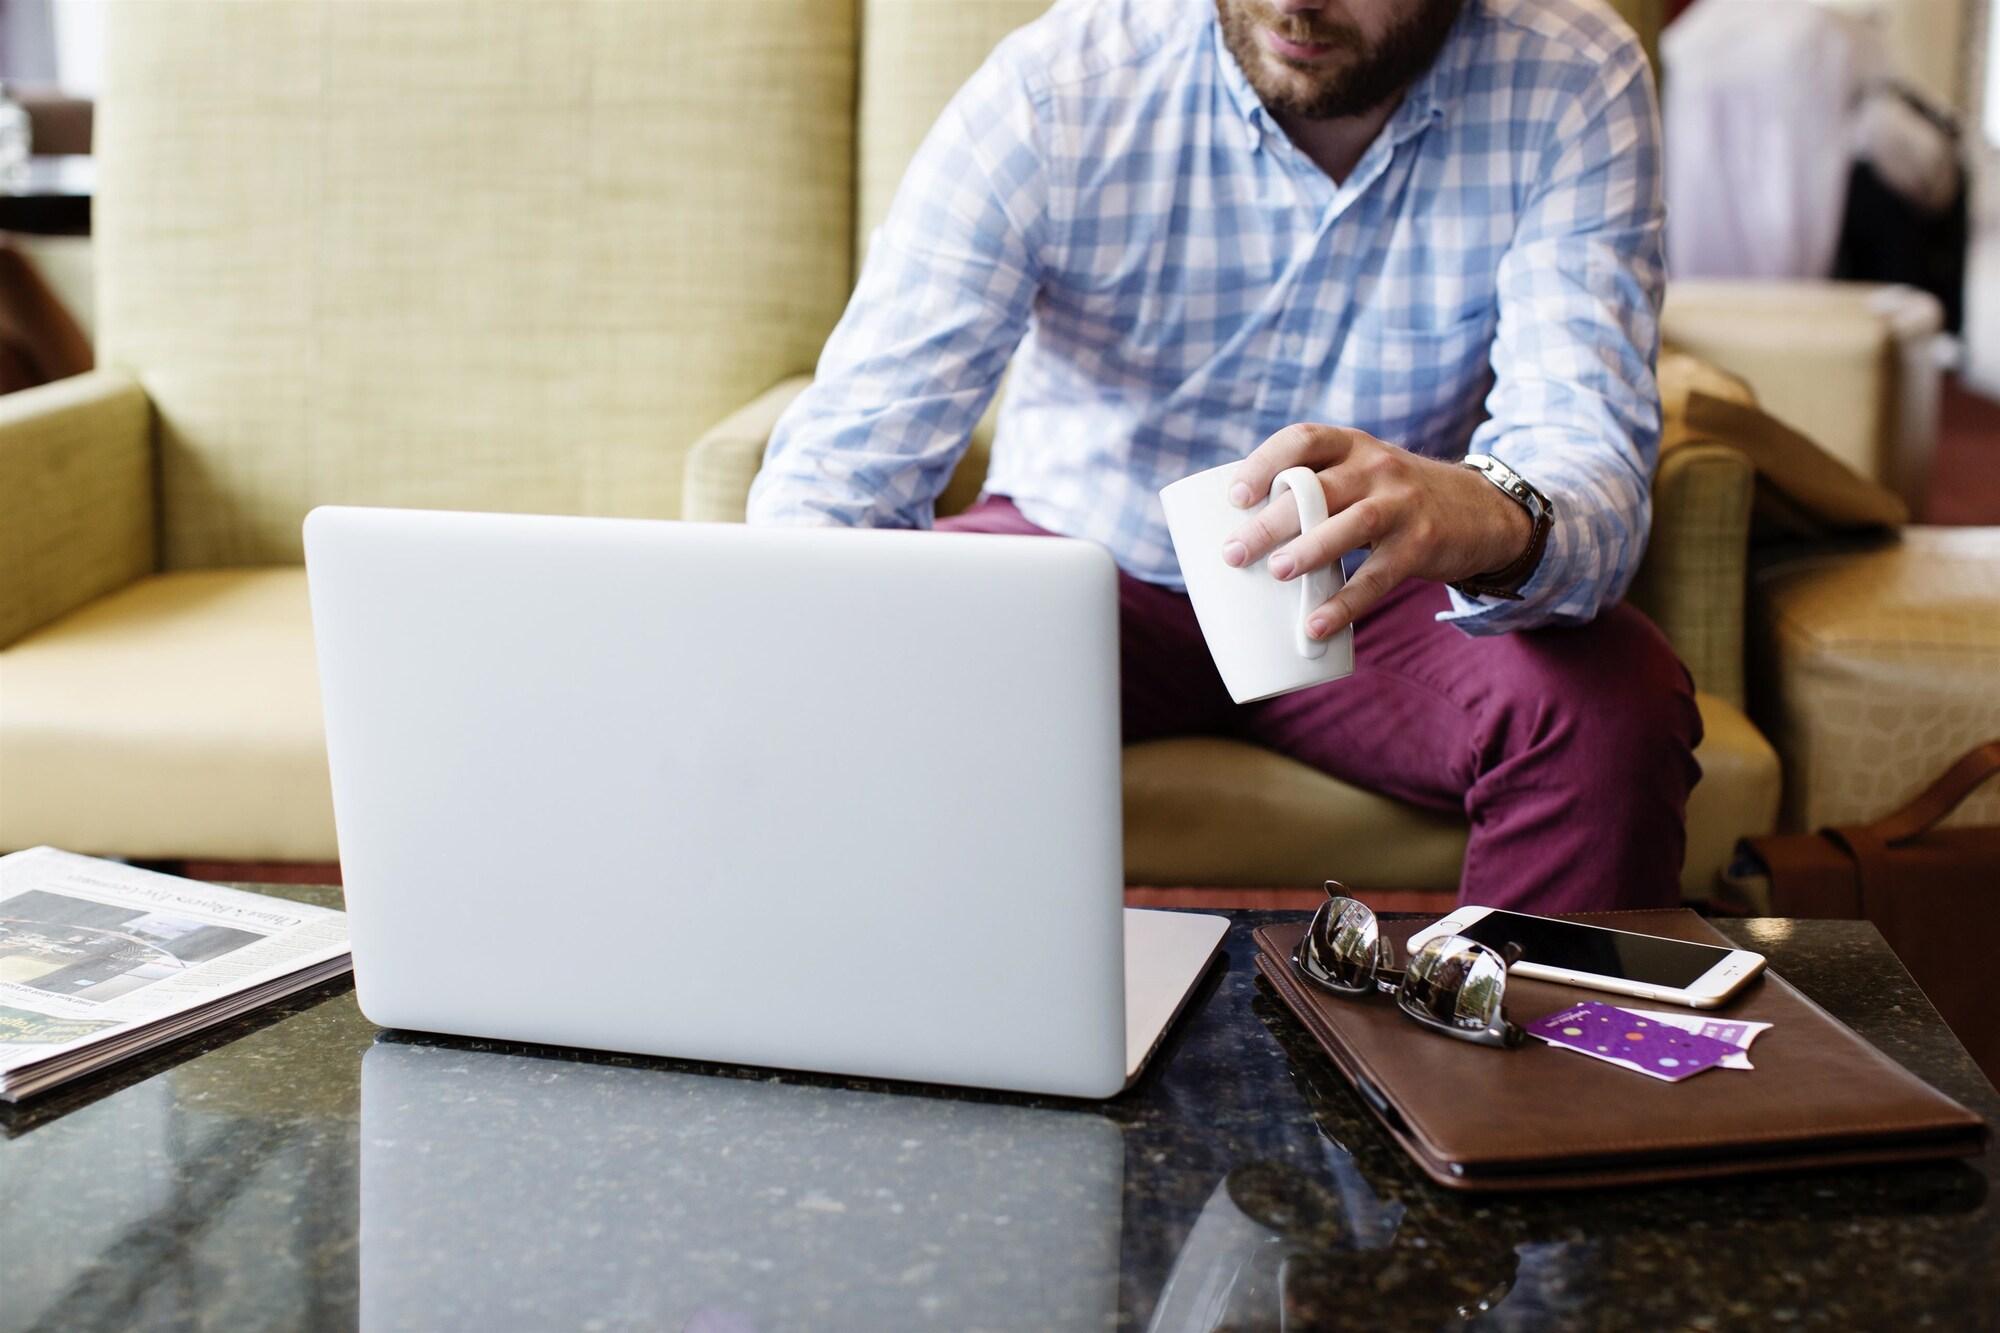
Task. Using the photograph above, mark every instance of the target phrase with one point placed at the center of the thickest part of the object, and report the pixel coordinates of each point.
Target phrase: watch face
(1512, 484)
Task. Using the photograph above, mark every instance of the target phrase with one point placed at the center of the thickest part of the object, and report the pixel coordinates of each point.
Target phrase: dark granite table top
(302, 1169)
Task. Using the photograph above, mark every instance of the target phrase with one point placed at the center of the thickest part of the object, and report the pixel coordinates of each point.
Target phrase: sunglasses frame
(1406, 984)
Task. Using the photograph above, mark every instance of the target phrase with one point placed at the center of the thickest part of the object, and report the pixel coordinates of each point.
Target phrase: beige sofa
(519, 257)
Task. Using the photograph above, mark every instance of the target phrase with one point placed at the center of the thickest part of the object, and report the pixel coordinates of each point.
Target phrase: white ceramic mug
(1255, 625)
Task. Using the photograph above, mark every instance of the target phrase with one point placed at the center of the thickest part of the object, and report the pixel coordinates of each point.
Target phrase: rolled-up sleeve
(943, 300)
(1575, 406)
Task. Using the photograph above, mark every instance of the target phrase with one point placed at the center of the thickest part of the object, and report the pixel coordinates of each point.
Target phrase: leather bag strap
(1870, 844)
(1941, 797)
(1874, 872)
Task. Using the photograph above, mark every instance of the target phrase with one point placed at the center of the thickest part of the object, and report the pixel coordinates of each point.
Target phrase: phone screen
(1604, 953)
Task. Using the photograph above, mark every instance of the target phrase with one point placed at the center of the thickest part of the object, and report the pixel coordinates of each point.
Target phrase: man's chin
(1285, 84)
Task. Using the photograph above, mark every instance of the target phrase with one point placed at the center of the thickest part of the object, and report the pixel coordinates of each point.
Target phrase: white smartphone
(1650, 967)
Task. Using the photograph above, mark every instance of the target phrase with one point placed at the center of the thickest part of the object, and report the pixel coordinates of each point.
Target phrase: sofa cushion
(1737, 797)
(177, 717)
(1682, 375)
(1204, 810)
(1803, 492)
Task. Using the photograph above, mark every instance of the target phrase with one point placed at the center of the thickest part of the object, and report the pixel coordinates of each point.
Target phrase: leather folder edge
(1960, 1135)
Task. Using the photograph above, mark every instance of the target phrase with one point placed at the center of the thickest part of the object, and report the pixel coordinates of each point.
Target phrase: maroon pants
(1569, 750)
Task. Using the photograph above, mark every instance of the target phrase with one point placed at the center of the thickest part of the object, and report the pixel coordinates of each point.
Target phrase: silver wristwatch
(1506, 581)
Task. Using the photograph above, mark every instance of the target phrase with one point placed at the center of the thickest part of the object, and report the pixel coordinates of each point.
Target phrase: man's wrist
(1528, 531)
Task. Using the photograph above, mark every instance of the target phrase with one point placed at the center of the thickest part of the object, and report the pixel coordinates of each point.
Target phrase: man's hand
(1422, 518)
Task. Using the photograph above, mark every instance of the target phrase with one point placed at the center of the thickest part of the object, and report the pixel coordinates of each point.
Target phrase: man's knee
(1610, 699)
(1587, 762)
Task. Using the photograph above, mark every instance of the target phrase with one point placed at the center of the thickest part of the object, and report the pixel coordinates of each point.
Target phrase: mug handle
(1319, 584)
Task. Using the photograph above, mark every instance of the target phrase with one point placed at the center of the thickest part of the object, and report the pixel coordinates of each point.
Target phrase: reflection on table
(515, 1191)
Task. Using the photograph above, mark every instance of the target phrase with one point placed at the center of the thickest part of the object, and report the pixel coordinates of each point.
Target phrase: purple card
(1620, 1037)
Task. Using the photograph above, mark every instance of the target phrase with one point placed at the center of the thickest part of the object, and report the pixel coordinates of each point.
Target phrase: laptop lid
(832, 800)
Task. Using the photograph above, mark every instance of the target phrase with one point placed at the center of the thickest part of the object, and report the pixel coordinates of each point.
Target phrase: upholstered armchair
(520, 257)
(459, 255)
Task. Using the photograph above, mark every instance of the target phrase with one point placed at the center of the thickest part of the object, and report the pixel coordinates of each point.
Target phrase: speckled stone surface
(302, 1169)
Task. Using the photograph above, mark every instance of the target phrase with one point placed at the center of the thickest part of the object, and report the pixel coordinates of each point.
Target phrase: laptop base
(1166, 954)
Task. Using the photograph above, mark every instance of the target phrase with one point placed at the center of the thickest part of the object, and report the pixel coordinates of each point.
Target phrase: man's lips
(1286, 49)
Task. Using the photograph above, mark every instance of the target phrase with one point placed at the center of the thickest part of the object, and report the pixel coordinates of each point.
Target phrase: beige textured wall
(506, 254)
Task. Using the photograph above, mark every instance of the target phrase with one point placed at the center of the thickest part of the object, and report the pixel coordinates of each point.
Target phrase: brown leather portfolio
(1538, 1117)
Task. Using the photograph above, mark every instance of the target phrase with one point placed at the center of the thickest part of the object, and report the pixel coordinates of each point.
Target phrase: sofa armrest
(715, 488)
(76, 495)
(1736, 798)
(1695, 576)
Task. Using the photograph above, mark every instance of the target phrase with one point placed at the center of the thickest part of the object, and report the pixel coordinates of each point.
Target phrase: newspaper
(101, 961)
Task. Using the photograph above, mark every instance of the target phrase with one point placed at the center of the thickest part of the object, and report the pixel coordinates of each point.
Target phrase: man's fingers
(1279, 522)
(1362, 523)
(1275, 523)
(1371, 583)
(1314, 446)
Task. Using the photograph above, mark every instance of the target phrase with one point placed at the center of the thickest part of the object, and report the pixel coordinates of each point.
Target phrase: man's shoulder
(1557, 37)
(1086, 45)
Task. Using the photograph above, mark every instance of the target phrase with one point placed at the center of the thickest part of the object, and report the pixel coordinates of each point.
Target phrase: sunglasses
(1453, 985)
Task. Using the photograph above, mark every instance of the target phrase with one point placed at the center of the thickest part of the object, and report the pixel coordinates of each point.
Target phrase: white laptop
(844, 801)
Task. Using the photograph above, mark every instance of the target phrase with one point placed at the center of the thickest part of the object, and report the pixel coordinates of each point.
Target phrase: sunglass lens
(1345, 943)
(1456, 982)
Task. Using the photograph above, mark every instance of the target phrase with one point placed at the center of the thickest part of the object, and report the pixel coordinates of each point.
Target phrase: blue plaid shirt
(1108, 206)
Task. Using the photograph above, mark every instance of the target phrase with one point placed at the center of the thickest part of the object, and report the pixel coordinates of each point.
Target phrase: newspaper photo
(100, 961)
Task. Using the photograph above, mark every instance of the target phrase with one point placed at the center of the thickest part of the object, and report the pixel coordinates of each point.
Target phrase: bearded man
(1412, 244)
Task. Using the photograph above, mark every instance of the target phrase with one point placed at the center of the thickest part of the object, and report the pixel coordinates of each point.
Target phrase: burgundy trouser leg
(1569, 750)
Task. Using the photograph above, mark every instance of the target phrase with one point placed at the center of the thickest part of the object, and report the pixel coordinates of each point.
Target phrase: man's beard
(1370, 74)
